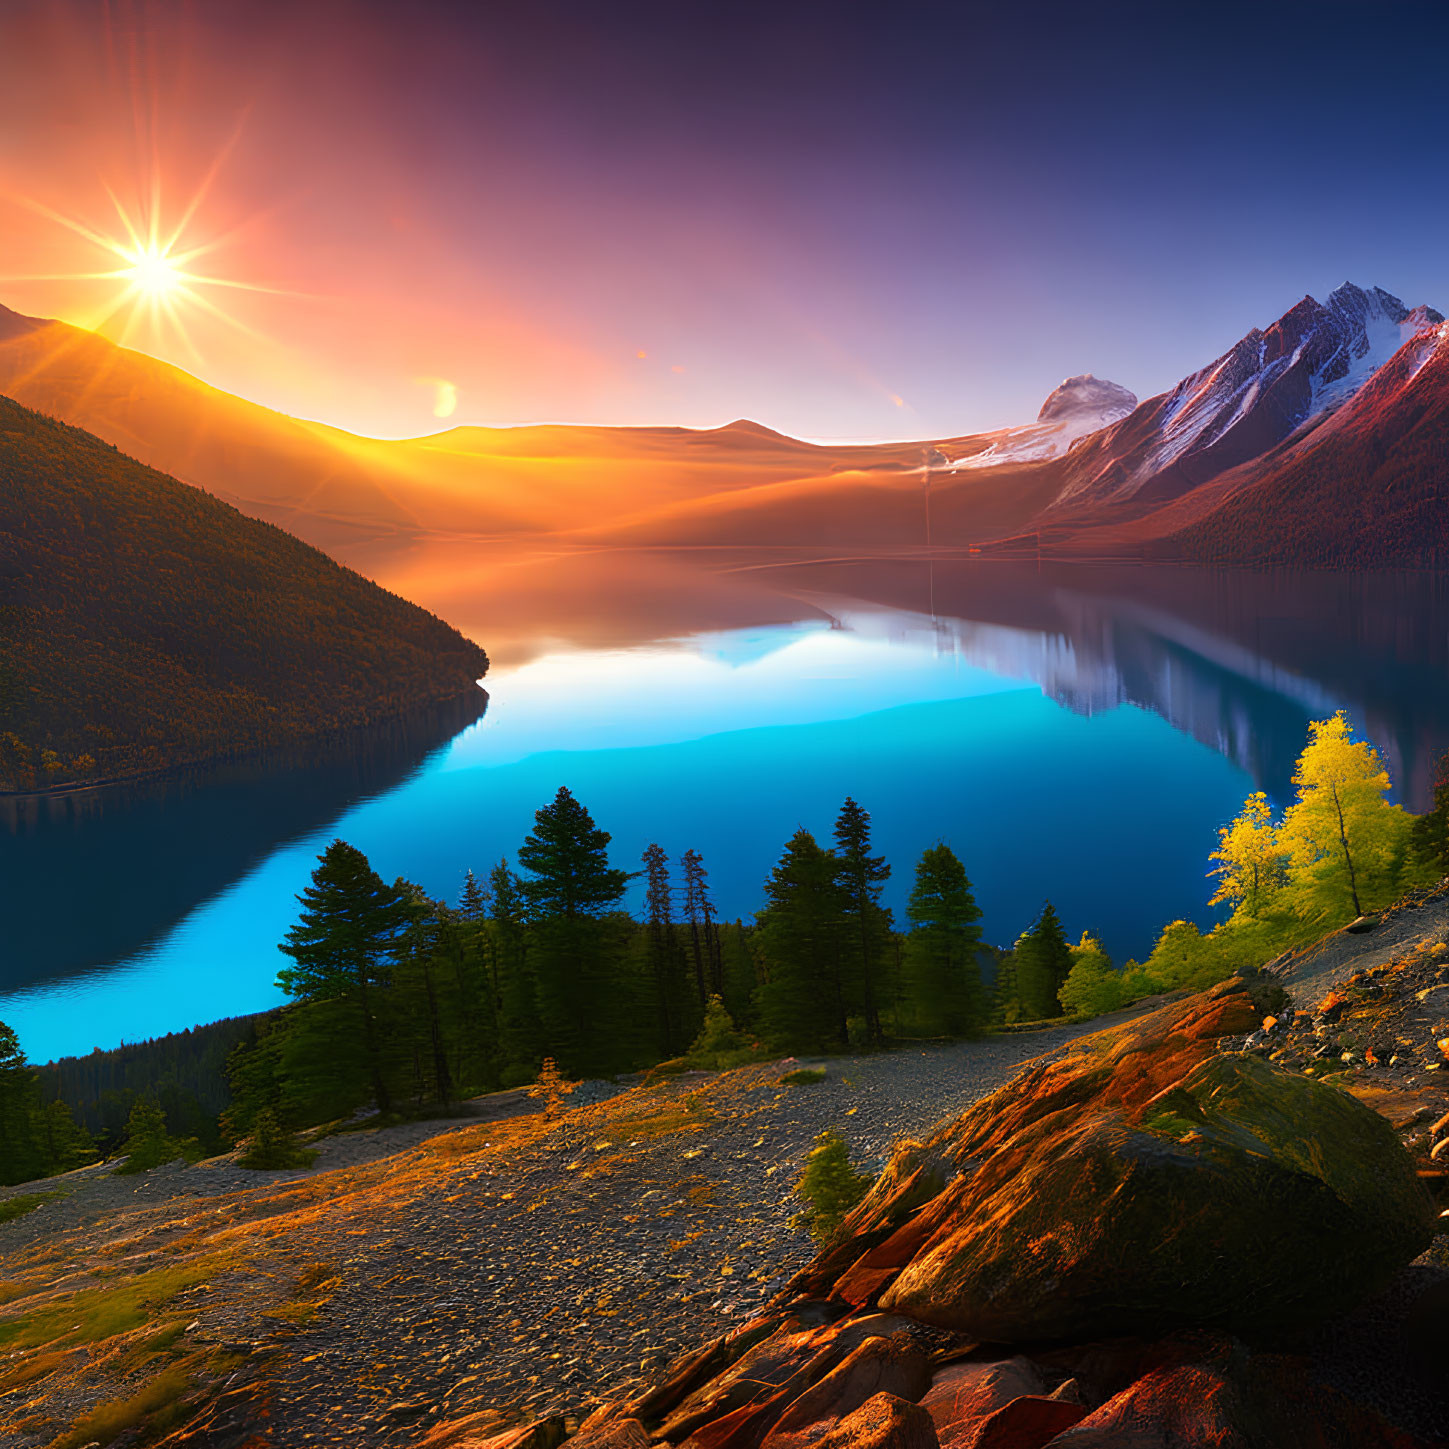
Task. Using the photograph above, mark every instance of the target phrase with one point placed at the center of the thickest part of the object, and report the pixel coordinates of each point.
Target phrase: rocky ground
(1156, 1240)
(443, 1268)
(1378, 1025)
(513, 1266)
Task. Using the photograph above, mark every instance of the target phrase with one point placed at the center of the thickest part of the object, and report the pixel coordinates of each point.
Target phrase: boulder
(611, 1434)
(1028, 1422)
(1237, 1401)
(484, 1431)
(892, 1366)
(772, 1374)
(882, 1422)
(1240, 1197)
(962, 1395)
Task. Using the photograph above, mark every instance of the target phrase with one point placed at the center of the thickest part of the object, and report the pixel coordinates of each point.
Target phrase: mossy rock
(1241, 1197)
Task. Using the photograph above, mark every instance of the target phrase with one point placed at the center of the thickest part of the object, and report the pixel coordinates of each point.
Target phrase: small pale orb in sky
(642, 355)
(898, 400)
(445, 395)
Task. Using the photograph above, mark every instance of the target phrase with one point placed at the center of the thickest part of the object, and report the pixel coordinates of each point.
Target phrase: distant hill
(145, 624)
(1315, 440)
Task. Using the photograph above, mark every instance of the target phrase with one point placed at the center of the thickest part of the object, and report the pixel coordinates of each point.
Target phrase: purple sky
(873, 221)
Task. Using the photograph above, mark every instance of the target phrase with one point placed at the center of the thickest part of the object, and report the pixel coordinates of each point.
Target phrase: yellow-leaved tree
(1252, 866)
(1093, 985)
(1345, 844)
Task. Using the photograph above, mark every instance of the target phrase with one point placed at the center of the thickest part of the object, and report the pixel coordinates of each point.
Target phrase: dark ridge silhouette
(145, 624)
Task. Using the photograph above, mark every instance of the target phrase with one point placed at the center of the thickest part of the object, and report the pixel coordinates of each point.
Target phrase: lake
(1074, 733)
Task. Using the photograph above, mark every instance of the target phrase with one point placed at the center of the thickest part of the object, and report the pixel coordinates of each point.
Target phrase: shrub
(22, 1203)
(273, 1146)
(147, 1143)
(829, 1185)
(719, 1045)
(803, 1077)
(551, 1087)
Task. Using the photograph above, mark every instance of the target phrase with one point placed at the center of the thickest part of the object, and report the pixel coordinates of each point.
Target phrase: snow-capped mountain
(1079, 407)
(1365, 487)
(1311, 361)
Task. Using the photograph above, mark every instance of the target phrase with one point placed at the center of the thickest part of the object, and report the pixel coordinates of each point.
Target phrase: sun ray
(158, 289)
(79, 228)
(199, 195)
(121, 212)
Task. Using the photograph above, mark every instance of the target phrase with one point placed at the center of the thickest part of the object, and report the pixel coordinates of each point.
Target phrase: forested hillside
(145, 624)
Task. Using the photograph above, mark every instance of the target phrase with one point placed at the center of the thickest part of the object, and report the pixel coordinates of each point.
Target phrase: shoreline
(334, 735)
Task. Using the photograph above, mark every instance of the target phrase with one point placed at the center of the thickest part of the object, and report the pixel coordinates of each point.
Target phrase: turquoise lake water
(1087, 761)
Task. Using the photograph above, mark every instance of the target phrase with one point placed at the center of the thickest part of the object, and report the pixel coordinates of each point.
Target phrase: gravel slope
(533, 1286)
(542, 1277)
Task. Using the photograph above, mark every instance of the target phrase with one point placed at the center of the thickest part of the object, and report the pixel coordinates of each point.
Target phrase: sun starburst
(156, 280)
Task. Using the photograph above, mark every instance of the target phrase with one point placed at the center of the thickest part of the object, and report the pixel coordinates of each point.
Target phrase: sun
(157, 286)
(154, 272)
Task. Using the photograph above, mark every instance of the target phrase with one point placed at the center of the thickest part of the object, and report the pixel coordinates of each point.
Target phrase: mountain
(1310, 362)
(1370, 486)
(353, 495)
(1251, 458)
(1079, 407)
(144, 624)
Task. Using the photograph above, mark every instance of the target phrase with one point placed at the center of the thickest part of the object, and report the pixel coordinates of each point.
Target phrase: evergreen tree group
(37, 1138)
(399, 1002)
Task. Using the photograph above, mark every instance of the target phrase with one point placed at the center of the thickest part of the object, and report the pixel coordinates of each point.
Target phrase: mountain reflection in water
(720, 700)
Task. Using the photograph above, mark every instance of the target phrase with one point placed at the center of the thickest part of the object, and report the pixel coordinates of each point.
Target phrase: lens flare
(153, 272)
(156, 279)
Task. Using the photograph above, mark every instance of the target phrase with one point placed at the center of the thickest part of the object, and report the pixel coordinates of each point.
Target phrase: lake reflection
(1073, 733)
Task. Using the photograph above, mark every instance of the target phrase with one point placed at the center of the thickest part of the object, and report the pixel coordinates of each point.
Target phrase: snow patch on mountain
(1384, 324)
(1312, 360)
(1080, 406)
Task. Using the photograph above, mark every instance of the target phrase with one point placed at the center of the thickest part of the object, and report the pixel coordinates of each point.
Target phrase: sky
(843, 221)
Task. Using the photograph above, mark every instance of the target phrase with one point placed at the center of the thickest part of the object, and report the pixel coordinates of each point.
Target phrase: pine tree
(1043, 961)
(718, 1044)
(1007, 991)
(473, 901)
(254, 1077)
(468, 963)
(868, 922)
(425, 1003)
(1429, 833)
(65, 1142)
(664, 958)
(943, 987)
(148, 1144)
(22, 1157)
(344, 944)
(1093, 986)
(703, 933)
(571, 890)
(520, 1034)
(741, 980)
(804, 1002)
(273, 1146)
(829, 1185)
